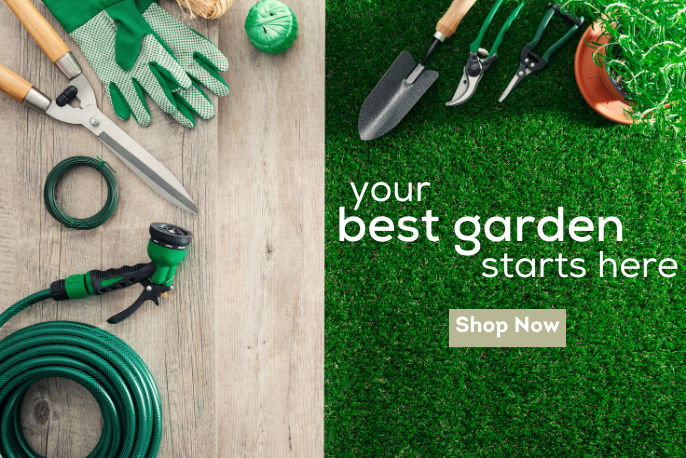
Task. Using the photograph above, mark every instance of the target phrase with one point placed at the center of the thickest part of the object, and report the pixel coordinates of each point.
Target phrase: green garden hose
(103, 364)
(109, 369)
(81, 223)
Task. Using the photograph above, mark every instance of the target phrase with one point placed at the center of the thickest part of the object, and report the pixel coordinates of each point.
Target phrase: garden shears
(87, 114)
(480, 59)
(529, 61)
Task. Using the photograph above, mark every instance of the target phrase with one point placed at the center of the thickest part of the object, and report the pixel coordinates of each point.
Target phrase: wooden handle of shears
(39, 28)
(447, 25)
(13, 85)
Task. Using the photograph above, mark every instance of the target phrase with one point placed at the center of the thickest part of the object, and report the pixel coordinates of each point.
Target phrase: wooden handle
(447, 25)
(13, 85)
(39, 28)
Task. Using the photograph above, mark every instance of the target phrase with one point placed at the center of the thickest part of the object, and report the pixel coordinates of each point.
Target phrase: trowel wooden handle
(39, 28)
(13, 85)
(447, 25)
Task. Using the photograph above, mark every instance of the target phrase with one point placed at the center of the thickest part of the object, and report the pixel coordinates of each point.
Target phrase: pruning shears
(480, 59)
(529, 61)
(166, 248)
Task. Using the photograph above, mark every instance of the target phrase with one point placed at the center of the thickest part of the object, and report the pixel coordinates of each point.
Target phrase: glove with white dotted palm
(198, 56)
(131, 60)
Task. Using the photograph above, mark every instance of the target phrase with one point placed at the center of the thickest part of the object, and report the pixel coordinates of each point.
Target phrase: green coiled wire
(81, 223)
(109, 369)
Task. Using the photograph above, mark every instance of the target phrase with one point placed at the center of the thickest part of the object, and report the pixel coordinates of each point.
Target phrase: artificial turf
(393, 387)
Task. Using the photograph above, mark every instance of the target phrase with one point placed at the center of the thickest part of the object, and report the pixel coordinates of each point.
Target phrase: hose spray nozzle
(166, 248)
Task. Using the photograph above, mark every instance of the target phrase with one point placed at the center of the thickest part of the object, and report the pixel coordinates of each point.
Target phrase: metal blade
(473, 71)
(398, 90)
(85, 93)
(143, 164)
(460, 91)
(519, 76)
(465, 90)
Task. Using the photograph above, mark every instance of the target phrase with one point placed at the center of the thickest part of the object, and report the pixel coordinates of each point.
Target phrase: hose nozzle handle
(97, 282)
(166, 248)
(150, 293)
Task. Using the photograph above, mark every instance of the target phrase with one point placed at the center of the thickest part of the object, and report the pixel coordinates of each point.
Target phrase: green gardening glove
(199, 57)
(130, 59)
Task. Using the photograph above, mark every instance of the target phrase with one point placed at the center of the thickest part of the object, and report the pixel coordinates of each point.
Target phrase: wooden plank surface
(270, 335)
(237, 349)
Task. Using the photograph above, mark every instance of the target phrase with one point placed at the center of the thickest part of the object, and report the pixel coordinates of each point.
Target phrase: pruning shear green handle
(555, 10)
(529, 61)
(476, 44)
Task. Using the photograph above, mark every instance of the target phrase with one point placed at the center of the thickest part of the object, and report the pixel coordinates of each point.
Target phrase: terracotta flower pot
(599, 90)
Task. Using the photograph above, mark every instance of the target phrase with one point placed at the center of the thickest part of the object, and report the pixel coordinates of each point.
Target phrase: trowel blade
(393, 97)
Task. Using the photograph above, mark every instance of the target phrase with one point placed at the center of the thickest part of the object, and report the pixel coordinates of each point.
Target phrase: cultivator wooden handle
(447, 25)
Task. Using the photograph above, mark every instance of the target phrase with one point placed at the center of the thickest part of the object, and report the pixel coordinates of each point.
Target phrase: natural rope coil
(81, 223)
(207, 9)
(108, 368)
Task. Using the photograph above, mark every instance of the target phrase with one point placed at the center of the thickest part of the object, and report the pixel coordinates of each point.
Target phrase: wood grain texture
(270, 332)
(237, 348)
(448, 24)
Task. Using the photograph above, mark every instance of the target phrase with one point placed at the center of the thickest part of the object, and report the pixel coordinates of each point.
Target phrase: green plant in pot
(638, 54)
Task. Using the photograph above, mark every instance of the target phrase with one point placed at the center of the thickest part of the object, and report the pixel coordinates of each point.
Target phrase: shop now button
(508, 328)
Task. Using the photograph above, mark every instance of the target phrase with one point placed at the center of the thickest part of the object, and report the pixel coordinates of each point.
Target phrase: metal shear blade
(466, 89)
(140, 161)
(531, 62)
(480, 59)
(522, 73)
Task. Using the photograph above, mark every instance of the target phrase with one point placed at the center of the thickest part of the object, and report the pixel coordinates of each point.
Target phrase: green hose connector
(78, 286)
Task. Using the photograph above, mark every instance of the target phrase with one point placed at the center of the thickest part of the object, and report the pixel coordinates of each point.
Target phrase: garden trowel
(406, 81)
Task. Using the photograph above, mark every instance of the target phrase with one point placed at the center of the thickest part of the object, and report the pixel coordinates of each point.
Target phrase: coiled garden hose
(109, 369)
(81, 223)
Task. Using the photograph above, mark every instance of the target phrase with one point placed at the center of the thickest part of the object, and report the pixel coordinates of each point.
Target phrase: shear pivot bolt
(94, 122)
(148, 288)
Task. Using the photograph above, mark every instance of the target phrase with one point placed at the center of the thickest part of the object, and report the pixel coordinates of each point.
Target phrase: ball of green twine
(271, 26)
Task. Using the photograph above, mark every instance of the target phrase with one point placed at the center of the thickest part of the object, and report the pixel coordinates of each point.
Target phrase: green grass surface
(393, 387)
